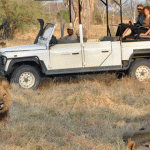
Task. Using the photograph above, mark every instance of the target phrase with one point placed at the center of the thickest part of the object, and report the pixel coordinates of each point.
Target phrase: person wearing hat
(70, 38)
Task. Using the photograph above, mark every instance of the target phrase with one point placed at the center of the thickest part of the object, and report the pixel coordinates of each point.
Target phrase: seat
(144, 36)
(108, 38)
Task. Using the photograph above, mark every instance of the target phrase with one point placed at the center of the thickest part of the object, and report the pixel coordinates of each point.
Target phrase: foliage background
(65, 15)
(20, 14)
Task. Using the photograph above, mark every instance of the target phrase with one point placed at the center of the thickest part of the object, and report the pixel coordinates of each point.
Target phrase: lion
(5, 101)
(131, 145)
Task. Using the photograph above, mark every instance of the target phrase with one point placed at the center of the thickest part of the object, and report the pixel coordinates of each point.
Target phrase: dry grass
(85, 112)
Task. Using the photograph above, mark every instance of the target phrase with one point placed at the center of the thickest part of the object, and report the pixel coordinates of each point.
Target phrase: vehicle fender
(138, 53)
(22, 60)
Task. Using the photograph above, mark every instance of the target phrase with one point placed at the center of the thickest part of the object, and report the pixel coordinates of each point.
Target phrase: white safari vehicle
(27, 64)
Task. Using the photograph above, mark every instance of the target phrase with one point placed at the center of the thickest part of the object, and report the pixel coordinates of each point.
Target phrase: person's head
(146, 10)
(70, 31)
(140, 8)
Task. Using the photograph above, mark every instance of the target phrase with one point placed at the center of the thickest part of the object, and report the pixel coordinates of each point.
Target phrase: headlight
(3, 60)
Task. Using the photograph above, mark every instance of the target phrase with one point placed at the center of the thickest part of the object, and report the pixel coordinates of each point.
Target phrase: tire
(140, 70)
(26, 76)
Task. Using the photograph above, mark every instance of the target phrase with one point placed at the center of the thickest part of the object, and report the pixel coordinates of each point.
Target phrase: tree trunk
(134, 18)
(87, 8)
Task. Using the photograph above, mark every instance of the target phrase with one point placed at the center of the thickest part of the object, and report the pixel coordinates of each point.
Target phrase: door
(65, 56)
(96, 53)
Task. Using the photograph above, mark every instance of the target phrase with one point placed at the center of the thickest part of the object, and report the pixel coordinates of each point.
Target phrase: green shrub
(96, 16)
(20, 14)
(65, 15)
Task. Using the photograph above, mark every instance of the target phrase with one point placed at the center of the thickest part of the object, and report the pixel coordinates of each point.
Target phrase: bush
(96, 16)
(19, 14)
(65, 15)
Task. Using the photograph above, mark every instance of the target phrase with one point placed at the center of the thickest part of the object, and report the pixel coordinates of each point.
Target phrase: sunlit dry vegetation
(86, 112)
(79, 112)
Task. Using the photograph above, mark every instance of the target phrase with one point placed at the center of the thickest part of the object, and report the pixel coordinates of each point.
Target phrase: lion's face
(5, 97)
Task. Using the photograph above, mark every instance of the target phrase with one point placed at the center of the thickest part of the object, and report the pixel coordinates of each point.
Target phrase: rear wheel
(140, 70)
(26, 76)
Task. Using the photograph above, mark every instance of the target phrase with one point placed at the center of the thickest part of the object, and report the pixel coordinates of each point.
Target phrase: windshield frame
(47, 34)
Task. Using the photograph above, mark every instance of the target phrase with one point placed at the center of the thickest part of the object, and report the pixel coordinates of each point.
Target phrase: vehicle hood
(23, 48)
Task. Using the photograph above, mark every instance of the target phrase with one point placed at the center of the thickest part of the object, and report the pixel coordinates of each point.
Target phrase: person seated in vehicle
(146, 22)
(70, 38)
(139, 22)
(142, 30)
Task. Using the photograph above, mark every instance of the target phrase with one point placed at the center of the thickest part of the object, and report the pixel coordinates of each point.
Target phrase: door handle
(75, 53)
(105, 51)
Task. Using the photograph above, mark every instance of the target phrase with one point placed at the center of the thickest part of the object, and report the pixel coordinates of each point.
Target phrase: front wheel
(26, 76)
(140, 70)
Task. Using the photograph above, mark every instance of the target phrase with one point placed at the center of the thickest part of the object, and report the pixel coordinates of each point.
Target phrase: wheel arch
(136, 55)
(32, 61)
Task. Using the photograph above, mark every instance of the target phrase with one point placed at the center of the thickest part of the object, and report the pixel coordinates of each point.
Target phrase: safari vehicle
(26, 64)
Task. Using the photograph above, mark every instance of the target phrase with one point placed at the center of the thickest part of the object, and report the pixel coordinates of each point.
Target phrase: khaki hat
(70, 27)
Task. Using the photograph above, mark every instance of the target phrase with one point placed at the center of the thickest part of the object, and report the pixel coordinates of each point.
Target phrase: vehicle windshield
(48, 30)
(47, 34)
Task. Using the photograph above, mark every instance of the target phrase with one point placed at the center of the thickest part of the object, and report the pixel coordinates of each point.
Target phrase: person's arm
(146, 33)
(131, 23)
(139, 20)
